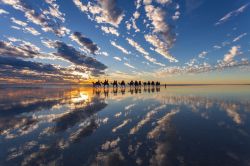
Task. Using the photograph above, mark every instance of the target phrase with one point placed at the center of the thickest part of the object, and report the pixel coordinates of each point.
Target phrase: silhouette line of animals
(122, 84)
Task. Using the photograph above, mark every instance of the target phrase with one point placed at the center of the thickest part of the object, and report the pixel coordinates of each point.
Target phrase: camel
(131, 83)
(97, 84)
(139, 83)
(136, 84)
(115, 83)
(122, 84)
(105, 83)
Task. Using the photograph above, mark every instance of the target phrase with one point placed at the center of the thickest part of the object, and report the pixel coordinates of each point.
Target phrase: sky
(78, 41)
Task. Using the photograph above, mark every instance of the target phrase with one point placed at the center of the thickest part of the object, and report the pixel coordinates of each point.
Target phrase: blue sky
(188, 41)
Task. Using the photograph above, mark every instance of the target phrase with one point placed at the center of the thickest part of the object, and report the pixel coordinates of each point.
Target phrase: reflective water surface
(182, 125)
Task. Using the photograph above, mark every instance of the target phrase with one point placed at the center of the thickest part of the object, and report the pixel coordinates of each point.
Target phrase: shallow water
(182, 125)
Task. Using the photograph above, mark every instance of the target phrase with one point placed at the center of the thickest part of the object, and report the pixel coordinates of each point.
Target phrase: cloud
(117, 58)
(216, 47)
(162, 123)
(176, 15)
(83, 65)
(110, 12)
(199, 68)
(110, 144)
(25, 26)
(103, 11)
(119, 47)
(18, 22)
(79, 4)
(19, 64)
(2, 11)
(203, 54)
(129, 65)
(69, 53)
(84, 42)
(110, 30)
(229, 57)
(162, 37)
(146, 118)
(231, 14)
(133, 19)
(54, 10)
(24, 51)
(137, 46)
(164, 1)
(15, 68)
(160, 47)
(153, 60)
(104, 53)
(32, 31)
(48, 43)
(46, 20)
(239, 37)
(124, 123)
(15, 27)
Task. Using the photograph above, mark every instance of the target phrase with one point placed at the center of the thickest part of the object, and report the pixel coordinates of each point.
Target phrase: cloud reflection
(53, 121)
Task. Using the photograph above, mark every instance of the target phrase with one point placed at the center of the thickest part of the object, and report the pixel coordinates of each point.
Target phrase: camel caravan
(122, 84)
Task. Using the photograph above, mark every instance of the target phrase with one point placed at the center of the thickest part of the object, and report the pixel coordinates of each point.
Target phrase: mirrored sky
(188, 41)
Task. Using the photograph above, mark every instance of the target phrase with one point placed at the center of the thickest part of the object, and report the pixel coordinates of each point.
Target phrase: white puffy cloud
(160, 47)
(2, 11)
(176, 15)
(54, 10)
(110, 30)
(137, 46)
(203, 54)
(117, 58)
(162, 37)
(119, 47)
(216, 47)
(18, 22)
(164, 1)
(46, 20)
(232, 53)
(32, 31)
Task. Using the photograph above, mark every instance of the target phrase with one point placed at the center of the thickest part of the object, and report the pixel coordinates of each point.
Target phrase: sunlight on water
(176, 125)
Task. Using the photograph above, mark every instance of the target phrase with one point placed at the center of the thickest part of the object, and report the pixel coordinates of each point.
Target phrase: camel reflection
(131, 90)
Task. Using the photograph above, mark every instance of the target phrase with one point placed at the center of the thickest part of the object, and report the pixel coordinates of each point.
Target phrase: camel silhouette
(122, 84)
(139, 83)
(97, 84)
(158, 83)
(131, 83)
(115, 83)
(105, 83)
